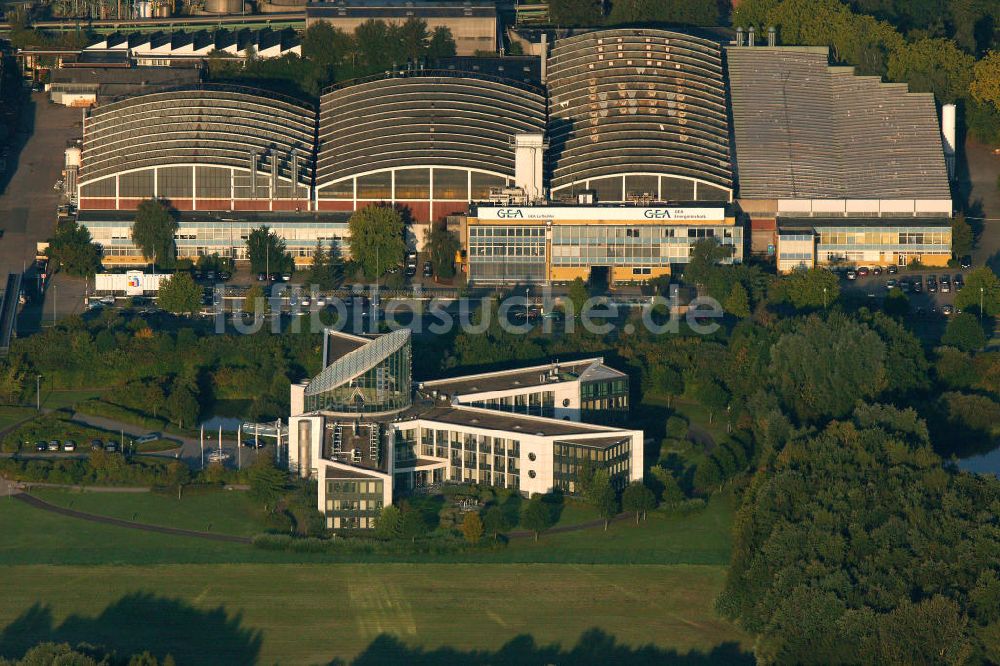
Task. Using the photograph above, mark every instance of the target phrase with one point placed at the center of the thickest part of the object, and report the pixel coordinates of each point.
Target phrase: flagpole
(239, 446)
(203, 446)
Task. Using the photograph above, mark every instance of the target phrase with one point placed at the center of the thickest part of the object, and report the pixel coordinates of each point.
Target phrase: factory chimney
(739, 36)
(750, 36)
(771, 36)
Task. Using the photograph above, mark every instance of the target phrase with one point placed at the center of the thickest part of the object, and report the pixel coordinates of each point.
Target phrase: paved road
(28, 204)
(978, 182)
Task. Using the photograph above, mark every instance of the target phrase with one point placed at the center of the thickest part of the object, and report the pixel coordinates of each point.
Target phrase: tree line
(331, 55)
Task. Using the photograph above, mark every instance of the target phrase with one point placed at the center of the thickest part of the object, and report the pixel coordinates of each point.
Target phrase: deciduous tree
(153, 232)
(981, 287)
(639, 499)
(376, 239)
(179, 294)
(472, 527)
(73, 250)
(964, 332)
(536, 516)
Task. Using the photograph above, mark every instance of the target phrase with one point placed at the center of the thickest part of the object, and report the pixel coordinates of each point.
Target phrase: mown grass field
(387, 613)
(228, 512)
(36, 536)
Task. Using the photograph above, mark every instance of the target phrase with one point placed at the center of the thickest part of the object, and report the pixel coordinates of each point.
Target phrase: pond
(986, 463)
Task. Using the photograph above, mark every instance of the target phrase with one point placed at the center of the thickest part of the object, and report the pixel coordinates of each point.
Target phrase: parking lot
(925, 289)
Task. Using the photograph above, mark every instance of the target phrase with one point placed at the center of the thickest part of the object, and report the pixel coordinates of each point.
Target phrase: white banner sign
(597, 213)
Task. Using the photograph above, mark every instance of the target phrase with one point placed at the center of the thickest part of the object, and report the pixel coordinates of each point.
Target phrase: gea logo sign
(509, 213)
(656, 213)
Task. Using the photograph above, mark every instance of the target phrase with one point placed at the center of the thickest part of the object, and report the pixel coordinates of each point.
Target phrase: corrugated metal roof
(804, 129)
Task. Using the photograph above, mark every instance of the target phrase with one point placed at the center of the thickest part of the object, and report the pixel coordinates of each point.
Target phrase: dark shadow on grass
(595, 648)
(139, 622)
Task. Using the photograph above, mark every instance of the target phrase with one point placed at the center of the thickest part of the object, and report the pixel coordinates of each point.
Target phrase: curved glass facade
(374, 379)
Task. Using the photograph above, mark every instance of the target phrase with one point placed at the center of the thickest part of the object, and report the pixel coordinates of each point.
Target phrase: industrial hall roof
(806, 130)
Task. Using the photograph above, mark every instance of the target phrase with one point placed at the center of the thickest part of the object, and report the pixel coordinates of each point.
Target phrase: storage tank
(305, 443)
(73, 157)
(948, 137)
(224, 6)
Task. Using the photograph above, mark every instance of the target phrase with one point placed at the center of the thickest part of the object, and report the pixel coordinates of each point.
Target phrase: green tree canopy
(822, 367)
(389, 521)
(738, 302)
(412, 525)
(73, 250)
(266, 251)
(472, 527)
(267, 482)
(981, 287)
(536, 516)
(985, 86)
(812, 288)
(962, 238)
(572, 13)
(839, 501)
(638, 499)
(964, 332)
(690, 12)
(179, 294)
(376, 239)
(153, 232)
(495, 521)
(933, 65)
(442, 245)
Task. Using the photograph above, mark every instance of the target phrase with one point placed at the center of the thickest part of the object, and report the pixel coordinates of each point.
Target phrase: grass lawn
(157, 446)
(51, 426)
(227, 512)
(386, 613)
(698, 538)
(35, 536)
(10, 415)
(59, 398)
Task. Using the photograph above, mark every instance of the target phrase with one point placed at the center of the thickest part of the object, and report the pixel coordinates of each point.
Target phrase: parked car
(862, 271)
(410, 271)
(891, 284)
(69, 445)
(110, 447)
(216, 455)
(150, 437)
(892, 269)
(945, 284)
(96, 445)
(966, 261)
(959, 282)
(285, 277)
(53, 445)
(225, 276)
(932, 286)
(41, 446)
(851, 274)
(918, 285)
(261, 277)
(320, 302)
(877, 270)
(905, 285)
(947, 310)
(107, 300)
(428, 269)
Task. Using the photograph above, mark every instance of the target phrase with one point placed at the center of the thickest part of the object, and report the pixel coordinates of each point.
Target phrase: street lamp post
(981, 305)
(824, 298)
(38, 393)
